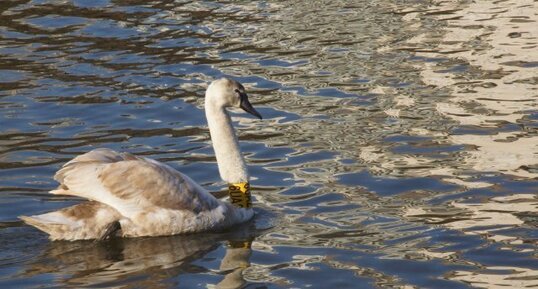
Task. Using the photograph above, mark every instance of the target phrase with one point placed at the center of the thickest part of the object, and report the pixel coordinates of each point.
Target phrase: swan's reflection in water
(156, 262)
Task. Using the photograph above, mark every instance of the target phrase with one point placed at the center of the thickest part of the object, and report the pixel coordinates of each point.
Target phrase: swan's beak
(246, 106)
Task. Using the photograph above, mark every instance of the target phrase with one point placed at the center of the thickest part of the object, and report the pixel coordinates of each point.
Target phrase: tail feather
(88, 220)
(53, 224)
(47, 226)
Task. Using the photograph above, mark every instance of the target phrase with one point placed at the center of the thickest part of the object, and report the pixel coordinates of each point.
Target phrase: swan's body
(146, 197)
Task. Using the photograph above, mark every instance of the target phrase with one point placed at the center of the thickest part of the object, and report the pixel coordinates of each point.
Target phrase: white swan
(135, 196)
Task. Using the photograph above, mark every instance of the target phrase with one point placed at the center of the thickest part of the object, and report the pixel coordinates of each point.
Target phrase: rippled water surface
(399, 146)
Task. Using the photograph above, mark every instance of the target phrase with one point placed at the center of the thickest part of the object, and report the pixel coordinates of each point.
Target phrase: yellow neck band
(240, 195)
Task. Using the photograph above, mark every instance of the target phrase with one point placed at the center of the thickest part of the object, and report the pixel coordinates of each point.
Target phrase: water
(399, 145)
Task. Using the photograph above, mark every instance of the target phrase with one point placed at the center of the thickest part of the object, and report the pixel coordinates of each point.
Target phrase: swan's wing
(131, 184)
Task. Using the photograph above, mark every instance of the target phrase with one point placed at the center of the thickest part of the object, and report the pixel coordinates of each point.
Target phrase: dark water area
(399, 146)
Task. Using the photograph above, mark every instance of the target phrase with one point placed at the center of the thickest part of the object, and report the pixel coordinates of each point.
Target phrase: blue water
(398, 146)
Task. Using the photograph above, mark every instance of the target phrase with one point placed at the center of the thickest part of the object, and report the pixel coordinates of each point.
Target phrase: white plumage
(146, 197)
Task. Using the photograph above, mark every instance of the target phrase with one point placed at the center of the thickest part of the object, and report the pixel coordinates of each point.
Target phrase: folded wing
(131, 184)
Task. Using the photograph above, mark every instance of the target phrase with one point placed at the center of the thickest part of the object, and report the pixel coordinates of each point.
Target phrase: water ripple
(398, 146)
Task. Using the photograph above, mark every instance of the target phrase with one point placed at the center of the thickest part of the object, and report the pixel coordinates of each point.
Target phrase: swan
(133, 196)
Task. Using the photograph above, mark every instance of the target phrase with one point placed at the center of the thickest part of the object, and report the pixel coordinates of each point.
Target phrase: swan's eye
(237, 93)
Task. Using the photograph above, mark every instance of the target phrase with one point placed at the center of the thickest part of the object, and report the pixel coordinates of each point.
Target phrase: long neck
(231, 164)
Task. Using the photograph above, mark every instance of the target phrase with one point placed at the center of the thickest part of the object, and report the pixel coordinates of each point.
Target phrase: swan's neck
(232, 166)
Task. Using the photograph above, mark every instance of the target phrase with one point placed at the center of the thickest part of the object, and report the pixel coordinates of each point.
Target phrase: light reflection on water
(399, 145)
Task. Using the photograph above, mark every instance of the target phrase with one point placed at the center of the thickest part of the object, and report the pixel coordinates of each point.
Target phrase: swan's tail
(88, 220)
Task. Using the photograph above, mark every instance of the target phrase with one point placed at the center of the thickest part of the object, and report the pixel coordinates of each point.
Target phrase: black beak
(246, 106)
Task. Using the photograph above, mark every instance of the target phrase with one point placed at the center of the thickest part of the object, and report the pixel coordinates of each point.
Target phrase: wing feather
(131, 184)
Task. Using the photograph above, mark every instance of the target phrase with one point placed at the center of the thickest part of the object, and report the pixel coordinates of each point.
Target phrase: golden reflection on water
(499, 88)
(512, 277)
(498, 40)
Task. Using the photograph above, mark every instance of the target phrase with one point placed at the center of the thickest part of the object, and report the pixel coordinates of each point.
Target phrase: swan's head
(226, 92)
